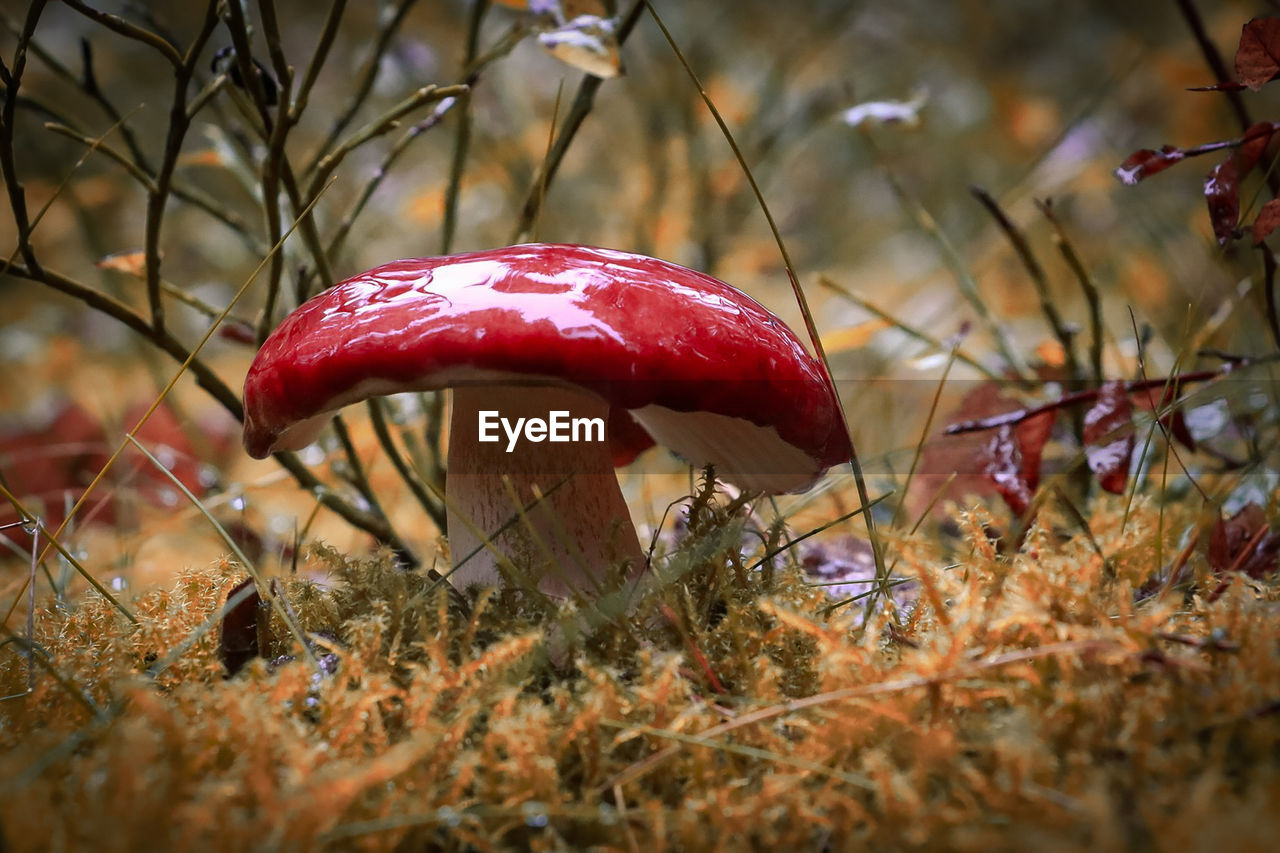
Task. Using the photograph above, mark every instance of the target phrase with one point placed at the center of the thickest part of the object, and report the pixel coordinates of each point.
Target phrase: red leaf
(1011, 460)
(1222, 191)
(978, 463)
(1268, 220)
(1145, 163)
(1253, 144)
(1033, 434)
(1001, 462)
(1258, 57)
(1108, 438)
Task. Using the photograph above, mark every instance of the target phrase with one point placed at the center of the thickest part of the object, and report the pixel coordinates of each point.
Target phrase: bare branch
(117, 24)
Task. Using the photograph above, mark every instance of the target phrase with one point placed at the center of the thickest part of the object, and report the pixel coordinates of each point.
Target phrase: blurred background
(1026, 100)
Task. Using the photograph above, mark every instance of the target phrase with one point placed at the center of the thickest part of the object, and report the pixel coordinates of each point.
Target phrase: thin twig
(364, 84)
(905, 327)
(420, 491)
(8, 167)
(1087, 286)
(339, 238)
(462, 139)
(117, 24)
(1036, 272)
(179, 122)
(578, 111)
(1091, 394)
(318, 57)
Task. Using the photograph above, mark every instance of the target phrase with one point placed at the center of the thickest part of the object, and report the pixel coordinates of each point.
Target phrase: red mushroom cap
(648, 336)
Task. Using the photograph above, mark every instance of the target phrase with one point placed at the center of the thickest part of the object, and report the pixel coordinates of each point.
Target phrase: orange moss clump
(1025, 700)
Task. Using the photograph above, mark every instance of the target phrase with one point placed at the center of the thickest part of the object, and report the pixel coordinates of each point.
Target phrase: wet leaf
(588, 43)
(1258, 56)
(1002, 464)
(1222, 193)
(1108, 437)
(1145, 163)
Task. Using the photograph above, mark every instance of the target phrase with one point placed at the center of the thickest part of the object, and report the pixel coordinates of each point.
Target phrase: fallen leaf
(238, 643)
(1243, 543)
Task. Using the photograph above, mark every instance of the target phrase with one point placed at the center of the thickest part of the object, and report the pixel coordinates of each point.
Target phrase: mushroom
(632, 349)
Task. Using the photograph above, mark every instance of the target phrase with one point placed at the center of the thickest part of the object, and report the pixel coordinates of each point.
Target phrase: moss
(1025, 699)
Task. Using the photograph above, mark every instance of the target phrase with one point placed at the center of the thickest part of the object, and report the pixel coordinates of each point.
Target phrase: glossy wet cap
(651, 337)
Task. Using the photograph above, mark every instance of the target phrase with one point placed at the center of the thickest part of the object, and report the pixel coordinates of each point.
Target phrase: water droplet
(30, 525)
(448, 816)
(238, 503)
(312, 454)
(119, 584)
(167, 497)
(535, 815)
(208, 476)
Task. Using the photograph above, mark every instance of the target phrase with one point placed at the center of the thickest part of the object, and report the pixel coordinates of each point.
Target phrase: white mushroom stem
(571, 539)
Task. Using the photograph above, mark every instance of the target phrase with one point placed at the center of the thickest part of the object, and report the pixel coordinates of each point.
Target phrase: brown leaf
(1108, 437)
(1222, 192)
(238, 643)
(130, 263)
(1033, 435)
(587, 43)
(1145, 163)
(1258, 56)
(1268, 220)
(1253, 144)
(1243, 543)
